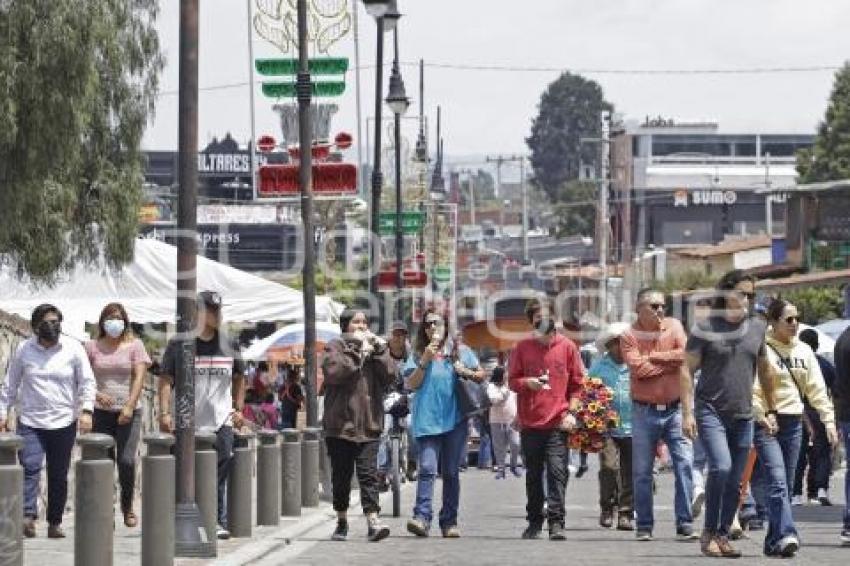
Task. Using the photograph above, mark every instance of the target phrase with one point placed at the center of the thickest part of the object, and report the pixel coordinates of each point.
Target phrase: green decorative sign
(284, 67)
(287, 90)
(442, 273)
(411, 222)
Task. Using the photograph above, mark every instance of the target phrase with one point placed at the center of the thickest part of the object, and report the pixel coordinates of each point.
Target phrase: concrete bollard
(158, 495)
(11, 500)
(93, 507)
(206, 481)
(239, 516)
(310, 467)
(268, 482)
(290, 473)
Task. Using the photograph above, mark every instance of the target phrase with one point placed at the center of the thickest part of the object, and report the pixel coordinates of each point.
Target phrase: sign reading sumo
(704, 197)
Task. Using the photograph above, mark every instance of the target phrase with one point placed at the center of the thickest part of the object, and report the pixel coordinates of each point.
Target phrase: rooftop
(724, 248)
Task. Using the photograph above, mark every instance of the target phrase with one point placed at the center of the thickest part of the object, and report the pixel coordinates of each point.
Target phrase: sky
(487, 112)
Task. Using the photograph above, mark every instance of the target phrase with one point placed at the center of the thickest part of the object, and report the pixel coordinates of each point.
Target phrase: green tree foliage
(575, 209)
(691, 280)
(568, 111)
(829, 159)
(78, 81)
(816, 304)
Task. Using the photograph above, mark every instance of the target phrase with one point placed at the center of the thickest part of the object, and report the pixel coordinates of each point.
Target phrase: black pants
(818, 457)
(224, 449)
(126, 444)
(545, 450)
(345, 455)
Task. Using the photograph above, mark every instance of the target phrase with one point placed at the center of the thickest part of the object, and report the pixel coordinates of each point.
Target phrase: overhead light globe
(397, 98)
(377, 8)
(392, 16)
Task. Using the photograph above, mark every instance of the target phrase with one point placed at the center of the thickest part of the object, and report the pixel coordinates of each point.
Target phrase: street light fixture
(392, 16)
(377, 8)
(399, 103)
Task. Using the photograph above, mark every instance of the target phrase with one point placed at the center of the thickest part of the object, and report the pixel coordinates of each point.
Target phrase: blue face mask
(113, 327)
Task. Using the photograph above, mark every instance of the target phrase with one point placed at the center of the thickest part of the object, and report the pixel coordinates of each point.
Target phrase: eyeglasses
(792, 319)
(656, 306)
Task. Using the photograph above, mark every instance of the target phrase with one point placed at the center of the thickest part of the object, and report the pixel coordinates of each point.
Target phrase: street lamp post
(377, 9)
(399, 103)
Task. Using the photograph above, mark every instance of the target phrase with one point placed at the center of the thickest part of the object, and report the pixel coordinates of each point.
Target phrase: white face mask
(114, 327)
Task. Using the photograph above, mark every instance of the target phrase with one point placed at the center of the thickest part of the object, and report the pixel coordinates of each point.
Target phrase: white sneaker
(797, 500)
(823, 497)
(698, 502)
(788, 546)
(221, 533)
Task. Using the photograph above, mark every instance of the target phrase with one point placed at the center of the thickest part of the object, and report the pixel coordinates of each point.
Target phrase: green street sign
(442, 273)
(411, 222)
(284, 67)
(287, 90)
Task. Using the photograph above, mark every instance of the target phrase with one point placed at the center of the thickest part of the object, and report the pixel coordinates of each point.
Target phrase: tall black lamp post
(399, 103)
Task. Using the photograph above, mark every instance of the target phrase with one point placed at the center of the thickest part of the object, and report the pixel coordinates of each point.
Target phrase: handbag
(472, 397)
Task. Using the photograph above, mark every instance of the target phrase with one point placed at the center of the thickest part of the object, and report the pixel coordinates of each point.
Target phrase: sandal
(130, 519)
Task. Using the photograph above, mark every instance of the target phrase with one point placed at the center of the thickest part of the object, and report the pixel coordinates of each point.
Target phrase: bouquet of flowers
(594, 416)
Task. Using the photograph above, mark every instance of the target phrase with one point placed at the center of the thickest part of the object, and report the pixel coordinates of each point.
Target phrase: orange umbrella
(500, 334)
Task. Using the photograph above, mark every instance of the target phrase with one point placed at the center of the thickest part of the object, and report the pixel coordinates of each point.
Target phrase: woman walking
(438, 425)
(119, 362)
(797, 379)
(358, 373)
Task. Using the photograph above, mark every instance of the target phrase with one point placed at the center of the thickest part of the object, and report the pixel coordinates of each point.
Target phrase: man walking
(546, 373)
(842, 411)
(219, 390)
(654, 349)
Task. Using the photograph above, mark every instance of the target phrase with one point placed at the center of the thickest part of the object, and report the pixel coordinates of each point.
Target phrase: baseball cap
(399, 325)
(210, 299)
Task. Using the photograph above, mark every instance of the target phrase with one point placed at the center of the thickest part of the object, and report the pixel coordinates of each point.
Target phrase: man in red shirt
(546, 373)
(654, 350)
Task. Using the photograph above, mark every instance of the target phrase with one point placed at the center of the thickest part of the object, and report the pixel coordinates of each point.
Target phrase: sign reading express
(227, 163)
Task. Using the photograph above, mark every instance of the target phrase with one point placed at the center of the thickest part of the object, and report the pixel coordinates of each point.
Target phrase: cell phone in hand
(544, 379)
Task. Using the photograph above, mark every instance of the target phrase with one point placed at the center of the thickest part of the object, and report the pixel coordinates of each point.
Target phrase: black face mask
(545, 325)
(49, 330)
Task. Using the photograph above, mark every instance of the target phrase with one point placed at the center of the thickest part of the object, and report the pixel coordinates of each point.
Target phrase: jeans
(504, 436)
(56, 445)
(224, 449)
(126, 444)
(615, 476)
(649, 425)
(818, 458)
(778, 455)
(844, 431)
(727, 444)
(545, 450)
(698, 466)
(446, 449)
(345, 456)
(485, 450)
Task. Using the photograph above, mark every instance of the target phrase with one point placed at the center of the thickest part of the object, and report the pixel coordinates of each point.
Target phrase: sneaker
(341, 530)
(788, 546)
(55, 531)
(581, 471)
(29, 528)
(726, 548)
(451, 532)
(624, 523)
(845, 537)
(377, 530)
(797, 500)
(500, 474)
(411, 471)
(417, 527)
(644, 535)
(532, 532)
(606, 519)
(697, 504)
(708, 545)
(685, 532)
(221, 533)
(556, 532)
(823, 498)
(735, 531)
(516, 472)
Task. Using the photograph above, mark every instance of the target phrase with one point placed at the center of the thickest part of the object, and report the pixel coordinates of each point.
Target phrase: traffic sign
(411, 222)
(266, 144)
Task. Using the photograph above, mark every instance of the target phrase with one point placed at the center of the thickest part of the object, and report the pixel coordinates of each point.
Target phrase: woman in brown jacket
(358, 372)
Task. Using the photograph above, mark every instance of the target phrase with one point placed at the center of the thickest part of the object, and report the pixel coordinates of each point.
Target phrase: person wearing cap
(546, 373)
(615, 460)
(51, 382)
(654, 349)
(219, 390)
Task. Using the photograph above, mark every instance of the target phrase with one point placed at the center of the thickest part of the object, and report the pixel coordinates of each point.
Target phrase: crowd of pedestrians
(744, 406)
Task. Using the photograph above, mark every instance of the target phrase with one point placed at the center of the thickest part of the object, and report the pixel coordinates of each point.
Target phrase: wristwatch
(773, 412)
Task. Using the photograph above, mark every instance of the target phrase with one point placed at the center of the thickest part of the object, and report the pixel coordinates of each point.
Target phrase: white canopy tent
(147, 288)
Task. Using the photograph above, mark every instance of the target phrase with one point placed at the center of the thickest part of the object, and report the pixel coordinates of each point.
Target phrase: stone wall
(13, 329)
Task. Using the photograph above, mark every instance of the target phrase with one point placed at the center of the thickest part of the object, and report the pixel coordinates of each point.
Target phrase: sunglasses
(656, 306)
(433, 322)
(792, 319)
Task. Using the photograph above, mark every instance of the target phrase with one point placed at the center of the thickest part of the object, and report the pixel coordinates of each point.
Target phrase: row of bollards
(287, 480)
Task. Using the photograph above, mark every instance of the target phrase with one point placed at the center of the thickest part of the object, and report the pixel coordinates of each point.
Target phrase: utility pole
(252, 106)
(377, 174)
(604, 182)
(304, 91)
(188, 539)
(471, 199)
(768, 199)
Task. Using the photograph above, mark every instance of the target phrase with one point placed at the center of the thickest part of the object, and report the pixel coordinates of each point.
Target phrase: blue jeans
(778, 455)
(844, 430)
(56, 445)
(727, 444)
(699, 465)
(446, 449)
(650, 425)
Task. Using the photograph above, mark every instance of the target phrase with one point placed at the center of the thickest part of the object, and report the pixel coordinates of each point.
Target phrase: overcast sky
(491, 111)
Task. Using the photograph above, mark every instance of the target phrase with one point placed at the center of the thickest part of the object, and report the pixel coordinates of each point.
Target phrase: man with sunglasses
(219, 390)
(546, 373)
(654, 349)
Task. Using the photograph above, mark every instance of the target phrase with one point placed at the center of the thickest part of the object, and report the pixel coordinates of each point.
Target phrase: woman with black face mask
(51, 381)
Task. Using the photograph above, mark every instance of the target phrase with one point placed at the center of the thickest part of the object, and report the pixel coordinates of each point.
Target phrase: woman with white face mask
(119, 362)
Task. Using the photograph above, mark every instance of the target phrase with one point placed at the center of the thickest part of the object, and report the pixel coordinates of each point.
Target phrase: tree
(829, 159)
(569, 110)
(79, 82)
(575, 209)
(816, 304)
